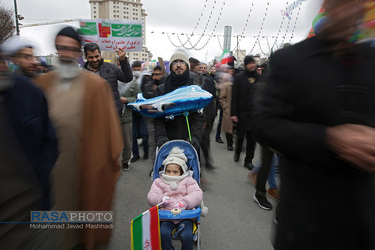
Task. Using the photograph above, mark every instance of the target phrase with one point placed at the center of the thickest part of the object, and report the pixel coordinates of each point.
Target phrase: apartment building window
(94, 12)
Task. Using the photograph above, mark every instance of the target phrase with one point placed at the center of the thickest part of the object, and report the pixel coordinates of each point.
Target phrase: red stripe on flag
(154, 228)
(227, 60)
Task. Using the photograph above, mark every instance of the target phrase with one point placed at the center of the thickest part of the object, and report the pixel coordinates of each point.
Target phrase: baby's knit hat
(178, 157)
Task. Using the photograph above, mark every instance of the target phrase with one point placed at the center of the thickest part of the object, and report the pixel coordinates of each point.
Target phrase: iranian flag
(227, 57)
(145, 230)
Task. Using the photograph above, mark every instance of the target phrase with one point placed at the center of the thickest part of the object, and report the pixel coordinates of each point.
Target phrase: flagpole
(161, 203)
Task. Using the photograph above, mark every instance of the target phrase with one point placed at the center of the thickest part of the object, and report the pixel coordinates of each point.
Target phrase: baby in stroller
(178, 191)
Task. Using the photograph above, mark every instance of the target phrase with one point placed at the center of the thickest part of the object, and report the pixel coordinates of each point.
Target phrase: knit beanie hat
(249, 59)
(178, 157)
(69, 32)
(179, 56)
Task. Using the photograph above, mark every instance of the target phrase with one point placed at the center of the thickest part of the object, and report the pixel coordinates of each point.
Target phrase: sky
(251, 21)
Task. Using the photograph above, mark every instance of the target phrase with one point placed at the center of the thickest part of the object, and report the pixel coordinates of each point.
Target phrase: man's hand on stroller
(166, 200)
(180, 205)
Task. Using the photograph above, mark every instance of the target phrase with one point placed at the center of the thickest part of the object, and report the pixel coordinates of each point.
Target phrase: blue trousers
(185, 235)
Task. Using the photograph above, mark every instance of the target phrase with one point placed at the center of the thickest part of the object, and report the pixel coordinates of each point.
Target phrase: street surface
(234, 221)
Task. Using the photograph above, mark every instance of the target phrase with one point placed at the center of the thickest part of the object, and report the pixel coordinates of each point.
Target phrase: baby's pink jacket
(188, 191)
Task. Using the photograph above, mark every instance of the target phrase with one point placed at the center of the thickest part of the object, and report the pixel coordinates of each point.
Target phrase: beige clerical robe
(90, 143)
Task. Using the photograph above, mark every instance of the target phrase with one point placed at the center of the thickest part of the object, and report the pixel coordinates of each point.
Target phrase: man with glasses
(89, 140)
(171, 129)
(21, 53)
(108, 71)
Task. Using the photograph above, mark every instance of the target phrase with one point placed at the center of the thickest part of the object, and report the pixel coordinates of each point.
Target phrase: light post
(17, 17)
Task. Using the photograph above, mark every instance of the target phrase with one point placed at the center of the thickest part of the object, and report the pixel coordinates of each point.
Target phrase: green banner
(88, 28)
(126, 30)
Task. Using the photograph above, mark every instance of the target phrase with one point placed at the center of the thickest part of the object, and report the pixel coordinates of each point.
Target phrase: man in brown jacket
(83, 113)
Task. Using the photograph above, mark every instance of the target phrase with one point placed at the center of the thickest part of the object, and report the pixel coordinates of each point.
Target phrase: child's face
(173, 170)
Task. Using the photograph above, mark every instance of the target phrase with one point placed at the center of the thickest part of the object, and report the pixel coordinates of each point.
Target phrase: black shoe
(209, 166)
(125, 167)
(134, 159)
(236, 157)
(230, 148)
(248, 165)
(219, 140)
(146, 156)
(262, 201)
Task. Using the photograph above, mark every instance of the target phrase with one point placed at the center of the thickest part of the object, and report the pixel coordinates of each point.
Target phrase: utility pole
(237, 61)
(227, 37)
(16, 16)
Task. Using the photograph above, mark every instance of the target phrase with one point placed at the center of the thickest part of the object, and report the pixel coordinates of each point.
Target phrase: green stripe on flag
(136, 231)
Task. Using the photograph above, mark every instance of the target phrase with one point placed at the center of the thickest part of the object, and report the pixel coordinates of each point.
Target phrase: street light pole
(15, 11)
(238, 60)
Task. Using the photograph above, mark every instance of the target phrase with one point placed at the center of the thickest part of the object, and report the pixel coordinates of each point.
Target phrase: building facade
(119, 10)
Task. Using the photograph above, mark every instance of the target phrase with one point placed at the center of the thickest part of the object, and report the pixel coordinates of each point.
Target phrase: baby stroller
(194, 172)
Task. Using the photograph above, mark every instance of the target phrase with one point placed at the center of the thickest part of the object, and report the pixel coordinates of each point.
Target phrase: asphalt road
(234, 221)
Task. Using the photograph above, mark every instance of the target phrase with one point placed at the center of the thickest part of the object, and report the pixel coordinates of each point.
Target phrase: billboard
(112, 34)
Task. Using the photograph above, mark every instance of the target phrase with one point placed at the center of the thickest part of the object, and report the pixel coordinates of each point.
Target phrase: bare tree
(6, 23)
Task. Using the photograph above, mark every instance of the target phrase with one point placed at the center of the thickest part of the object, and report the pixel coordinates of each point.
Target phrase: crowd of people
(66, 133)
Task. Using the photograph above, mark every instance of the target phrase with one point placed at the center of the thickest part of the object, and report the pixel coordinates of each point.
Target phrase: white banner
(112, 34)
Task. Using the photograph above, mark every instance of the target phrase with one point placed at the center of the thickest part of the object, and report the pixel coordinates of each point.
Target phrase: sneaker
(248, 165)
(262, 202)
(209, 166)
(125, 167)
(219, 140)
(176, 232)
(274, 193)
(134, 159)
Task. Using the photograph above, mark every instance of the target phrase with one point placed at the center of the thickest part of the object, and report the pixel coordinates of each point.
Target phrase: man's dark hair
(91, 47)
(158, 68)
(193, 62)
(136, 64)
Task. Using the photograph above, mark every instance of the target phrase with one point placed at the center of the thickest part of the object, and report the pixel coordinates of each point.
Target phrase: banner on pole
(112, 34)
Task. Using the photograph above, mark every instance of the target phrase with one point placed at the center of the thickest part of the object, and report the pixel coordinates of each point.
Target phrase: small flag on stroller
(145, 230)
